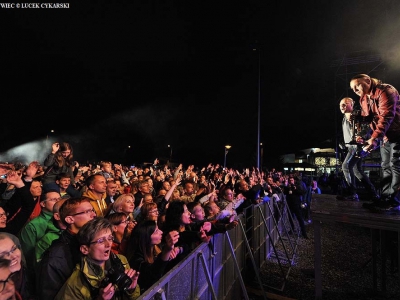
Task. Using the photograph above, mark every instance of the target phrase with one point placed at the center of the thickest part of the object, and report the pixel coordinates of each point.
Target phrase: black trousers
(295, 209)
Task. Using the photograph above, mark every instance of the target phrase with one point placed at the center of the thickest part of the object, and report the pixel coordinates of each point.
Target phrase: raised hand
(15, 179)
(32, 169)
(171, 239)
(55, 147)
(134, 275)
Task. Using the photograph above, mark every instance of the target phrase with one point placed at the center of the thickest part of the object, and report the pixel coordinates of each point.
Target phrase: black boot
(372, 194)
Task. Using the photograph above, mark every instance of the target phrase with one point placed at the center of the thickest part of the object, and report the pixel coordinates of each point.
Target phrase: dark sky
(149, 74)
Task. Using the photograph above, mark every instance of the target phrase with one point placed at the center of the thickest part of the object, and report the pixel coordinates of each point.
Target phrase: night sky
(148, 74)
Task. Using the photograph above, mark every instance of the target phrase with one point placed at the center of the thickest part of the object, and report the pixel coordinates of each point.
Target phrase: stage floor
(326, 208)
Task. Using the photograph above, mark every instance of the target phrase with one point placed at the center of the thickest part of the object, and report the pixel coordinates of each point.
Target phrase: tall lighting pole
(47, 137)
(258, 49)
(227, 147)
(170, 153)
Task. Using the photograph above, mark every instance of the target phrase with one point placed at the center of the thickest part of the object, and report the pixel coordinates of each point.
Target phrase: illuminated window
(320, 161)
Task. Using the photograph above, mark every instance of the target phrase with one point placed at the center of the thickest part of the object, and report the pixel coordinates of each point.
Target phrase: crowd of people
(108, 231)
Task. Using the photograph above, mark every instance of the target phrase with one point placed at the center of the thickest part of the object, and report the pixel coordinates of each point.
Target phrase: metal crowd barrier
(218, 270)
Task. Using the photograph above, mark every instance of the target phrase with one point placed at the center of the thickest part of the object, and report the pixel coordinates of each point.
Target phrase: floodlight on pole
(170, 153)
(227, 147)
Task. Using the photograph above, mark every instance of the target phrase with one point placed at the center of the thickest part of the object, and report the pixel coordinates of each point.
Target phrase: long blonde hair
(117, 205)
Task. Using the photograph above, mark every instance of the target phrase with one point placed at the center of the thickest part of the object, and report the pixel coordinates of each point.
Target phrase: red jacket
(383, 105)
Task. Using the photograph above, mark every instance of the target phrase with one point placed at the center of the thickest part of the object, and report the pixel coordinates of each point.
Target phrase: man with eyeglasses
(60, 259)
(34, 230)
(7, 287)
(101, 274)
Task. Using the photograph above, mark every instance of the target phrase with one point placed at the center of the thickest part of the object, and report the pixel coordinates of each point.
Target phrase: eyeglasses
(3, 282)
(85, 212)
(101, 241)
(154, 211)
(4, 215)
(124, 222)
(8, 253)
(53, 199)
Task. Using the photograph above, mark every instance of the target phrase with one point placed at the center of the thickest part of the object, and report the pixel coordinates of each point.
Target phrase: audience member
(312, 189)
(96, 191)
(111, 192)
(10, 249)
(148, 211)
(34, 230)
(125, 204)
(147, 198)
(64, 186)
(293, 192)
(91, 278)
(177, 218)
(120, 188)
(188, 192)
(119, 221)
(106, 170)
(217, 225)
(7, 279)
(60, 259)
(58, 161)
(244, 192)
(53, 231)
(144, 188)
(3, 219)
(6, 189)
(24, 204)
(147, 255)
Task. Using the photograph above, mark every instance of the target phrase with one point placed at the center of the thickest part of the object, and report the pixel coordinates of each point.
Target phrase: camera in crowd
(117, 277)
